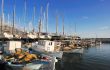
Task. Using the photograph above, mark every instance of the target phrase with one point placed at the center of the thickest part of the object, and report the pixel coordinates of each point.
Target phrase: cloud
(102, 0)
(104, 28)
(85, 17)
(99, 34)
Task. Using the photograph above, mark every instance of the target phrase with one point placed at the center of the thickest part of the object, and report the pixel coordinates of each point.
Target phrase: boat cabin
(47, 45)
(11, 46)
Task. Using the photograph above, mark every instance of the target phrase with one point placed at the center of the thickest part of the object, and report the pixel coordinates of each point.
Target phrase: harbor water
(93, 58)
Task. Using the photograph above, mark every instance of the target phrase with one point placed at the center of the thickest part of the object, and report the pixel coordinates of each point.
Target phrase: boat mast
(41, 24)
(57, 25)
(39, 28)
(63, 24)
(33, 18)
(44, 17)
(13, 19)
(47, 18)
(2, 6)
(8, 20)
(75, 28)
(24, 14)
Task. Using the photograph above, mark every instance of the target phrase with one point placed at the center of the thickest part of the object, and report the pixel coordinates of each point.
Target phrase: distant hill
(103, 40)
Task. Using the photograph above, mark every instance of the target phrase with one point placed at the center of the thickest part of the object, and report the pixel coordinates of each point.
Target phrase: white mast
(8, 20)
(57, 25)
(47, 18)
(33, 18)
(75, 29)
(44, 21)
(63, 24)
(13, 19)
(25, 14)
(41, 19)
(2, 6)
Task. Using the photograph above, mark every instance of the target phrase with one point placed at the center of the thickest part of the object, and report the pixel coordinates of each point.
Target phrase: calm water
(93, 58)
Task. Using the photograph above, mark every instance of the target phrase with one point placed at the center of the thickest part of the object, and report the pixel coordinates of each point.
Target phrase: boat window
(51, 43)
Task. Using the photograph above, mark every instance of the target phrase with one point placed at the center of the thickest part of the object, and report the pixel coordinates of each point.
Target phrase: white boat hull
(57, 54)
(33, 66)
(36, 65)
(77, 50)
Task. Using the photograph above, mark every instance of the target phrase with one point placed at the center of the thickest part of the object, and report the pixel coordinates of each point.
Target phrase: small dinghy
(36, 65)
(43, 64)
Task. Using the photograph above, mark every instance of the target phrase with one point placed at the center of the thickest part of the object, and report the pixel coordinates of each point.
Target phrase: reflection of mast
(56, 24)
(47, 18)
(2, 14)
(13, 20)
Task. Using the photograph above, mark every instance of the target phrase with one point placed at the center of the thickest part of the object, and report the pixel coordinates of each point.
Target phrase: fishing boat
(45, 62)
(42, 64)
(79, 50)
(51, 48)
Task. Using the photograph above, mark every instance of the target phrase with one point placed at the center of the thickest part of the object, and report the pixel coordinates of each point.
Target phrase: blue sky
(91, 17)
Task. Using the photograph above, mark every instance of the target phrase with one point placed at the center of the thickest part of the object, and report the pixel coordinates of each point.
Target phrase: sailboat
(52, 48)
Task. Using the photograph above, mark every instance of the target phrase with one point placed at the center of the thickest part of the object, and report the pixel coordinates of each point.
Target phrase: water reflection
(72, 57)
(93, 58)
(68, 60)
